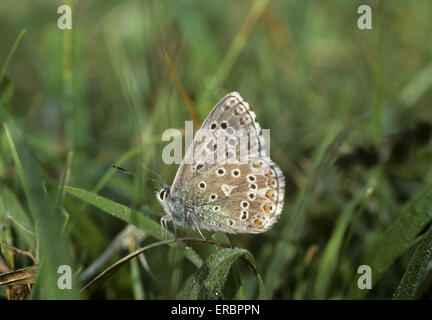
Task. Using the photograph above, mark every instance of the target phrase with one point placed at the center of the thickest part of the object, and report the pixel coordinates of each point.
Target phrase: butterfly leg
(164, 225)
(201, 233)
(196, 226)
(175, 230)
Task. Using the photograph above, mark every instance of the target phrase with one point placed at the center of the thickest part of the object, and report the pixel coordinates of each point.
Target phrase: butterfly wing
(231, 118)
(237, 198)
(219, 187)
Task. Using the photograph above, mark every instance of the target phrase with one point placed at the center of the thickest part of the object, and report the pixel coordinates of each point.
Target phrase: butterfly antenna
(154, 173)
(152, 180)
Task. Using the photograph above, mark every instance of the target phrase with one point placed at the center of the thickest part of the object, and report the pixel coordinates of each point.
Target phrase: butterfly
(226, 181)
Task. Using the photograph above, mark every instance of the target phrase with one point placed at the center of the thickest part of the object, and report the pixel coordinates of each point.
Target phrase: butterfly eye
(162, 194)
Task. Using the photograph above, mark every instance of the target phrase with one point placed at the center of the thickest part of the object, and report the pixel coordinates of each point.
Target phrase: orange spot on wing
(255, 224)
(271, 183)
(270, 194)
(267, 207)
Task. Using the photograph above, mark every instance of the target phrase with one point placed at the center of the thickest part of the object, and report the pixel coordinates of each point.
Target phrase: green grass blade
(128, 215)
(197, 33)
(255, 13)
(209, 280)
(237, 281)
(48, 225)
(396, 239)
(414, 274)
(118, 210)
(10, 205)
(6, 239)
(64, 178)
(11, 53)
(294, 226)
(331, 252)
(136, 279)
(15, 157)
(416, 88)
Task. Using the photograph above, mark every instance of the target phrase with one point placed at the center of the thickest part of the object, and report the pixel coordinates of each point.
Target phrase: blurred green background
(77, 101)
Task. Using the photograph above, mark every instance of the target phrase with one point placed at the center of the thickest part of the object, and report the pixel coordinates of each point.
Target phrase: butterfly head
(172, 206)
(163, 194)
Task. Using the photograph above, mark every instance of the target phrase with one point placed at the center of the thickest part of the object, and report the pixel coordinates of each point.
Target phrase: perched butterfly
(226, 181)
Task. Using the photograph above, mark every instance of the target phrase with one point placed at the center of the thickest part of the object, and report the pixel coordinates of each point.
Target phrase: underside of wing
(237, 198)
(228, 134)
